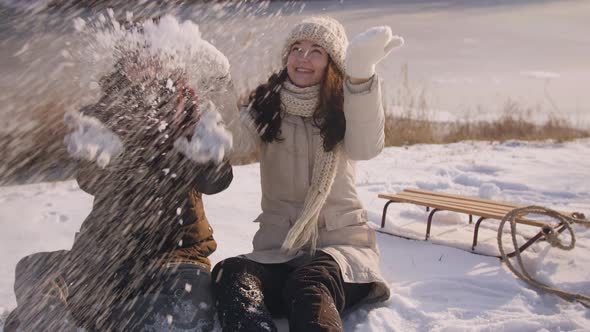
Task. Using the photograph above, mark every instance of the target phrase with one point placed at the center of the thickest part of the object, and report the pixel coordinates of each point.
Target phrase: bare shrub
(34, 148)
(414, 124)
(514, 124)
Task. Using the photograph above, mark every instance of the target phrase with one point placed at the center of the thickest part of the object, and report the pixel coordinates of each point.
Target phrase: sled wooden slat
(463, 198)
(472, 199)
(455, 202)
(489, 211)
(482, 208)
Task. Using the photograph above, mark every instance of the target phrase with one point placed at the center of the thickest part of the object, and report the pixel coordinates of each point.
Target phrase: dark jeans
(179, 298)
(175, 297)
(312, 295)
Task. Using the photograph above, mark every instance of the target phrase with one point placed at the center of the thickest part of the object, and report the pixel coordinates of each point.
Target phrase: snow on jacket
(286, 171)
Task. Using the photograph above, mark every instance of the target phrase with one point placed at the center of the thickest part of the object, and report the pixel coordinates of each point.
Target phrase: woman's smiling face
(306, 64)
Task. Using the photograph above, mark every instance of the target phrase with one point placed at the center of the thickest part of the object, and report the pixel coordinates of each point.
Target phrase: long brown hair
(265, 107)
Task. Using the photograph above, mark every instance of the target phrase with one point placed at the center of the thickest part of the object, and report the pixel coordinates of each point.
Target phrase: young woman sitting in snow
(147, 149)
(314, 254)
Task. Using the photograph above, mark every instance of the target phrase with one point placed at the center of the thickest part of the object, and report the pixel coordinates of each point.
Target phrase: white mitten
(91, 140)
(367, 49)
(211, 141)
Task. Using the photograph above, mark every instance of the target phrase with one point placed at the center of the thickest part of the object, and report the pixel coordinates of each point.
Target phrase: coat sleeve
(363, 109)
(238, 121)
(245, 137)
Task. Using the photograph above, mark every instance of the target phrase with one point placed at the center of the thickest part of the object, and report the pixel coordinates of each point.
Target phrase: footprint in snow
(483, 169)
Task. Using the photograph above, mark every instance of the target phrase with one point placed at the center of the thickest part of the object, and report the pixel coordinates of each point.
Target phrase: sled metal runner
(482, 208)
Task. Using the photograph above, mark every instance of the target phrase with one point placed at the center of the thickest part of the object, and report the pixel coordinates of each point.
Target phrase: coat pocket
(272, 232)
(273, 219)
(336, 220)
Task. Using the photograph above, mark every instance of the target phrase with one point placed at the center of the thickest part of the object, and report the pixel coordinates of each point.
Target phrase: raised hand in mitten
(210, 141)
(208, 147)
(91, 140)
(367, 49)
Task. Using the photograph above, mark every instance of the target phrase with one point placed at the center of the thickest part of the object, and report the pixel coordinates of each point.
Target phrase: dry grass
(407, 131)
(36, 152)
(414, 124)
(514, 124)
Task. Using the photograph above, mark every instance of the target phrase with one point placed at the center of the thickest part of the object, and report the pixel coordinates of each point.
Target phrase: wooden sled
(483, 208)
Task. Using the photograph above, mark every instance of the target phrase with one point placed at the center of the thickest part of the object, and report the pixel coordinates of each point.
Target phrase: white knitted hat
(324, 31)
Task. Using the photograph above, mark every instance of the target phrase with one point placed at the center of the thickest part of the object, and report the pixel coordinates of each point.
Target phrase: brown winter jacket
(196, 233)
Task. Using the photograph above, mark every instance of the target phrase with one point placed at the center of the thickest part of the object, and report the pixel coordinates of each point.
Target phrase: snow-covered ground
(436, 285)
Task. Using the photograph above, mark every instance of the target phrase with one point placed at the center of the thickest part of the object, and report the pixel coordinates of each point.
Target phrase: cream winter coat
(286, 172)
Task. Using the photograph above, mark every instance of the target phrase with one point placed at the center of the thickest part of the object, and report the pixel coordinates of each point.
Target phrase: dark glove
(211, 178)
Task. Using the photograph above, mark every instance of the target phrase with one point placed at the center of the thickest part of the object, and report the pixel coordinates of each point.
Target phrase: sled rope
(552, 238)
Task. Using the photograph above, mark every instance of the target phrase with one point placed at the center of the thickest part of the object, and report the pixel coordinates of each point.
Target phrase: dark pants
(41, 293)
(311, 295)
(176, 297)
(179, 299)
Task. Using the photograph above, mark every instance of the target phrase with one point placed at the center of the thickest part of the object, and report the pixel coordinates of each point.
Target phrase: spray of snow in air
(159, 50)
(173, 45)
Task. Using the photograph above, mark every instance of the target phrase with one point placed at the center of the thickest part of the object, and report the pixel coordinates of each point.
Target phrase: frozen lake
(468, 58)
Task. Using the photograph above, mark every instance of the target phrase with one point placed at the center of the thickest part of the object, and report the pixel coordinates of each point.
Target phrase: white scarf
(304, 233)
